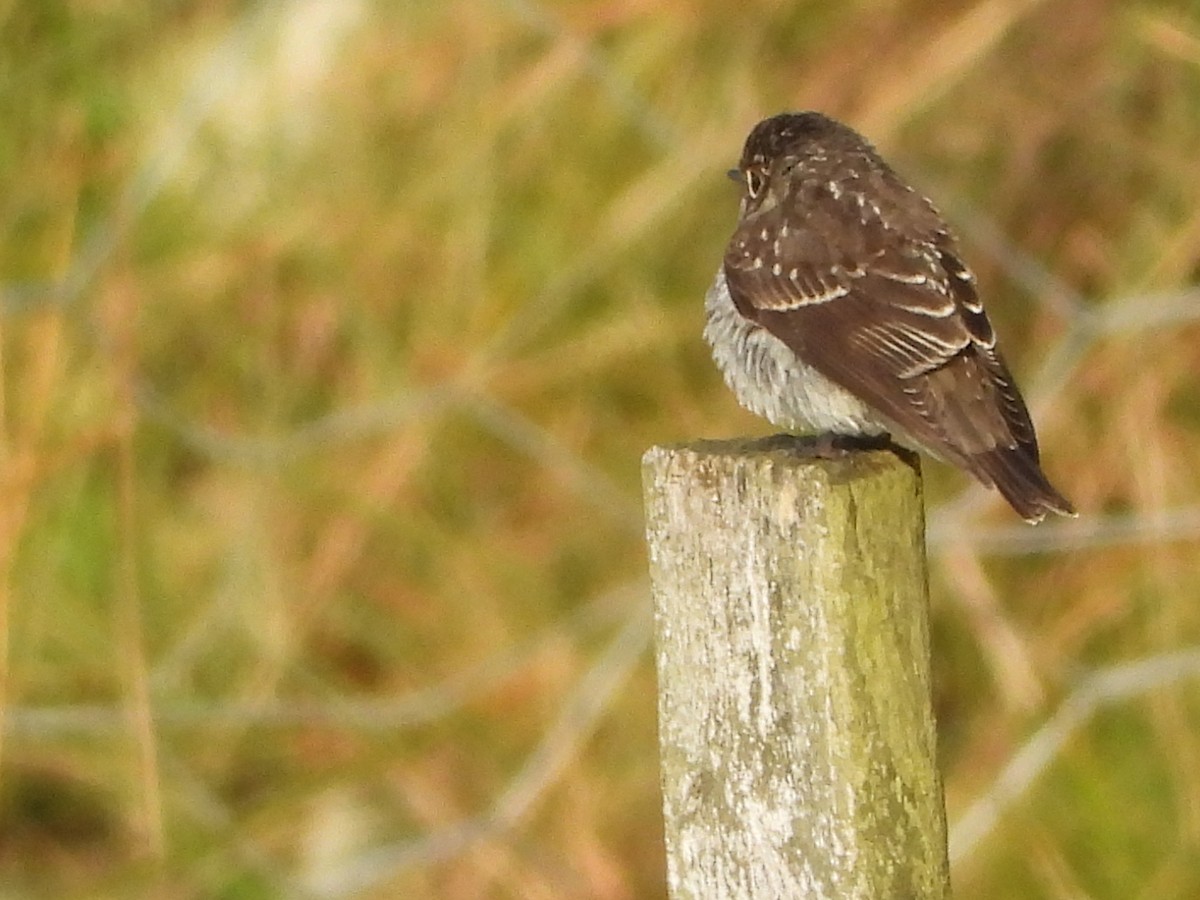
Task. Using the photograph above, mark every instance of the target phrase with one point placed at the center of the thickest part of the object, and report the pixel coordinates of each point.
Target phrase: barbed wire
(413, 709)
(578, 717)
(1098, 690)
(950, 524)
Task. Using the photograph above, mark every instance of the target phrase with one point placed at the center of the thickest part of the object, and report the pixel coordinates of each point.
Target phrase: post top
(841, 457)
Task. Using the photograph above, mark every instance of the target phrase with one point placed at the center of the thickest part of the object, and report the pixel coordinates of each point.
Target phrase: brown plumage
(873, 320)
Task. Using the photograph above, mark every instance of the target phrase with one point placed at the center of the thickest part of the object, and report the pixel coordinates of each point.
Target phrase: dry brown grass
(332, 336)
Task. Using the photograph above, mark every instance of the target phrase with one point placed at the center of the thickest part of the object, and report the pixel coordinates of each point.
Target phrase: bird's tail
(1017, 475)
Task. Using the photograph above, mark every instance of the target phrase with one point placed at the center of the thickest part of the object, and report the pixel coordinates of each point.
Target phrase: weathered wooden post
(796, 728)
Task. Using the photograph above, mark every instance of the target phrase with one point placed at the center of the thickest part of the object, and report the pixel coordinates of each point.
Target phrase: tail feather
(1015, 473)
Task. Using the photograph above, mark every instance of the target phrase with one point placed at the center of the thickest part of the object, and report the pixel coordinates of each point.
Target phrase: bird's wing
(888, 312)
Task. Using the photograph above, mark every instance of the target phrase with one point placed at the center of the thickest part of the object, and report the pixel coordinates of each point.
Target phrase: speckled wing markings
(871, 293)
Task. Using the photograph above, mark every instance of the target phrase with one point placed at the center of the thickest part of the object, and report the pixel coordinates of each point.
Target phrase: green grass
(333, 334)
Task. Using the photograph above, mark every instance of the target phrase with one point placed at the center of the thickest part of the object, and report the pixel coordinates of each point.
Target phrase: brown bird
(843, 307)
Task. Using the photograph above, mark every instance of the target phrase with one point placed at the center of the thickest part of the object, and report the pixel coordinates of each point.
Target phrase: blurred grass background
(333, 332)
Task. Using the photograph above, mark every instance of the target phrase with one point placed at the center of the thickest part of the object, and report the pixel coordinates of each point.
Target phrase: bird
(843, 307)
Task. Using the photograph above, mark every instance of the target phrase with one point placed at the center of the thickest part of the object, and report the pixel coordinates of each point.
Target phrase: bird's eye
(754, 182)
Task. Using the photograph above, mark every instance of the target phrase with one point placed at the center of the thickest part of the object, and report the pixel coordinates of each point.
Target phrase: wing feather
(890, 314)
(858, 275)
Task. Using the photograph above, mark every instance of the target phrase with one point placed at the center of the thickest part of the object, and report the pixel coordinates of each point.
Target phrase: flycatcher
(843, 307)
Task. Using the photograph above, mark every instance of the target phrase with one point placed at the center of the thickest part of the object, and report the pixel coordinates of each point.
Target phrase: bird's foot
(827, 445)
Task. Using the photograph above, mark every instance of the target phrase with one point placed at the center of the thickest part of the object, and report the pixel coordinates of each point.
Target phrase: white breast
(770, 380)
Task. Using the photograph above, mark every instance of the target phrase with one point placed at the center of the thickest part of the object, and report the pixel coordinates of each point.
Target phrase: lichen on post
(792, 641)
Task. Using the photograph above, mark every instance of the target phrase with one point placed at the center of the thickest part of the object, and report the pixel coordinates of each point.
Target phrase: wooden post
(796, 728)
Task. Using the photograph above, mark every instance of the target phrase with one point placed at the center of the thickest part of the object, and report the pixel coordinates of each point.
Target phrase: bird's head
(776, 146)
